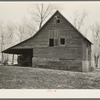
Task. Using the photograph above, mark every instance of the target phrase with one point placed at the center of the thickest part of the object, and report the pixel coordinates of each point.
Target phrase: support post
(13, 59)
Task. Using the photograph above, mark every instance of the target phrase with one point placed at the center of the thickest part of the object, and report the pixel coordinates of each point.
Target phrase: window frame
(64, 41)
(53, 42)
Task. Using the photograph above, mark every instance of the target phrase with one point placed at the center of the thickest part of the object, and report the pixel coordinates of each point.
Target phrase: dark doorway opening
(25, 57)
(25, 60)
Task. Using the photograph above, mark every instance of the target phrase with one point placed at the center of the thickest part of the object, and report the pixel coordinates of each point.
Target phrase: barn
(57, 45)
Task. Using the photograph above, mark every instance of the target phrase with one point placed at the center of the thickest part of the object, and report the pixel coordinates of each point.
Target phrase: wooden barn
(57, 45)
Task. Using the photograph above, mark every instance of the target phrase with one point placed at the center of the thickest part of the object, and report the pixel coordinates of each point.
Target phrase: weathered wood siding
(58, 58)
(58, 52)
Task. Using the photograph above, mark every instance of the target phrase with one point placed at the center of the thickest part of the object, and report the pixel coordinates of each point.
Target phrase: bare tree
(96, 35)
(2, 40)
(10, 37)
(25, 29)
(10, 30)
(20, 30)
(96, 31)
(40, 12)
(78, 19)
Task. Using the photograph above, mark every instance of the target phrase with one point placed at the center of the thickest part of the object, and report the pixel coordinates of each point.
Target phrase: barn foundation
(86, 66)
(73, 65)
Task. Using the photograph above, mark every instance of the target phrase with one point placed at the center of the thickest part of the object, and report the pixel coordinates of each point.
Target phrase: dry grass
(12, 77)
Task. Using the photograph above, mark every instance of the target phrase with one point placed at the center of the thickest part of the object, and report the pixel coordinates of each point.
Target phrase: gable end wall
(67, 57)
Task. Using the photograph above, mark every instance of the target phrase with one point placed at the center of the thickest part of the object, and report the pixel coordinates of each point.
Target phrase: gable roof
(5, 51)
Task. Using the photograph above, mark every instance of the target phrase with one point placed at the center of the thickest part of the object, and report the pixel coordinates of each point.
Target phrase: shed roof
(12, 51)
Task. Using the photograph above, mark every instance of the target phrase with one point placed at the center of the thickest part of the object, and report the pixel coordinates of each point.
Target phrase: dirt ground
(14, 77)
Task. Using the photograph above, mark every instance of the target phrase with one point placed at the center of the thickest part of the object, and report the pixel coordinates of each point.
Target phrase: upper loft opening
(57, 18)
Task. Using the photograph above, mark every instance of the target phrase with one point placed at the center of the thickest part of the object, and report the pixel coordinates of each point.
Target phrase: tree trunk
(96, 61)
(40, 25)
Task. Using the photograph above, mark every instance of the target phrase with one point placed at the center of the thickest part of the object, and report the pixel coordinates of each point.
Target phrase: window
(62, 41)
(51, 42)
(57, 19)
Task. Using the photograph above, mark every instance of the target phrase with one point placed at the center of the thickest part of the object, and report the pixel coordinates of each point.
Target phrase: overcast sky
(15, 11)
